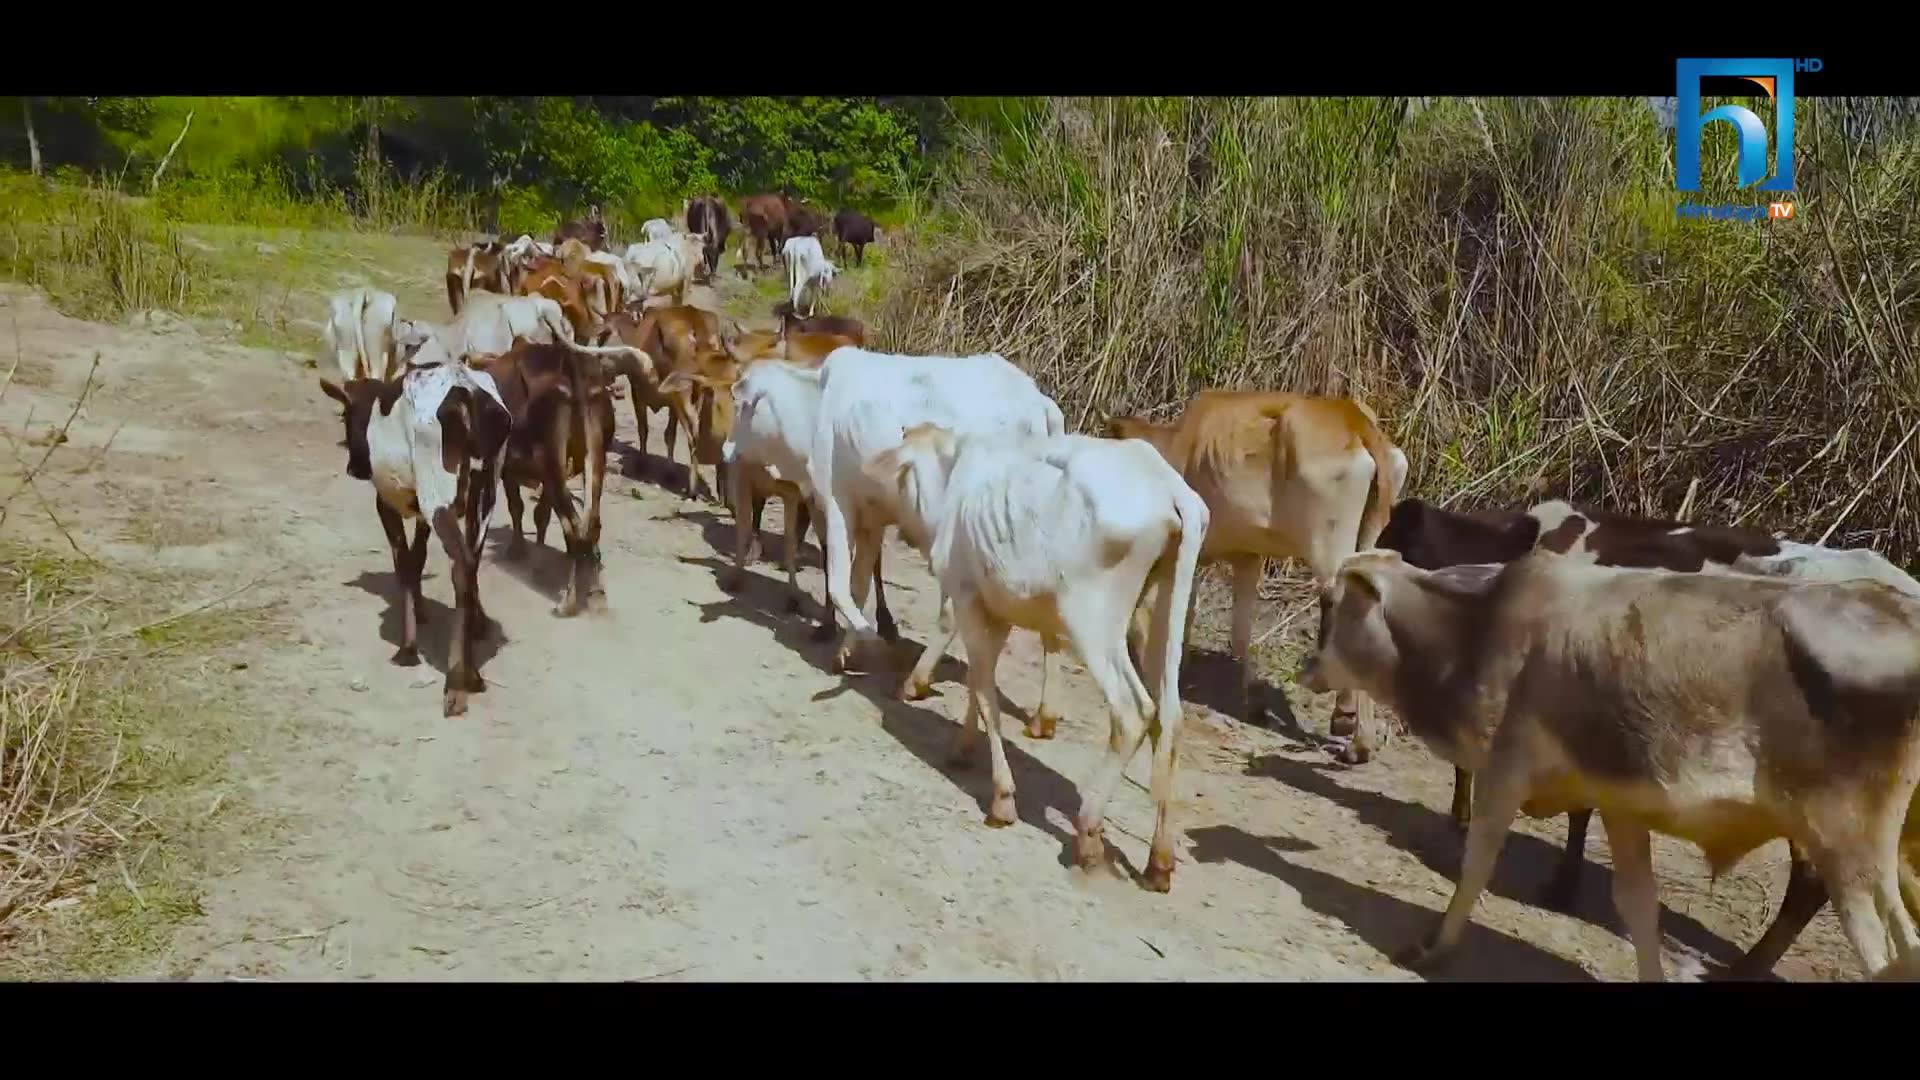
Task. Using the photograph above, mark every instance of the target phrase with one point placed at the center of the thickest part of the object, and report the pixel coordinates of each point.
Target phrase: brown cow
(1432, 538)
(803, 220)
(1284, 475)
(470, 266)
(470, 429)
(553, 278)
(751, 485)
(592, 232)
(765, 218)
(1723, 709)
(676, 338)
(563, 422)
(844, 325)
(706, 215)
(855, 229)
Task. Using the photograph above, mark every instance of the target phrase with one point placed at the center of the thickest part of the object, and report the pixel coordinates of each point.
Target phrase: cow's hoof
(1354, 752)
(1090, 848)
(1343, 725)
(1001, 814)
(1423, 956)
(1157, 878)
(1041, 725)
(407, 656)
(915, 690)
(454, 703)
(567, 608)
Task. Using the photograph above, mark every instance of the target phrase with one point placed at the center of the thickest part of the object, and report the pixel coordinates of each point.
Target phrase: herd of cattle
(1712, 683)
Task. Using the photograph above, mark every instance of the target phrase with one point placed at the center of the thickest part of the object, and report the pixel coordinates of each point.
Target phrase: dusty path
(679, 789)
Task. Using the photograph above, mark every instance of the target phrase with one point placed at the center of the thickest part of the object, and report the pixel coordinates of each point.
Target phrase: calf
(471, 266)
(852, 229)
(1433, 538)
(360, 333)
(1059, 535)
(866, 401)
(1285, 476)
(1724, 709)
(431, 443)
(808, 270)
(707, 216)
(563, 421)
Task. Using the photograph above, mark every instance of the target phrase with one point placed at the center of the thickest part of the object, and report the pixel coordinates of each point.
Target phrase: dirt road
(679, 789)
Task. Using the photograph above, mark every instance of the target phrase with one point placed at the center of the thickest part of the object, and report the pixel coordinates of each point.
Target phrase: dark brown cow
(1431, 538)
(707, 215)
(765, 218)
(472, 430)
(803, 220)
(851, 227)
(592, 232)
(479, 265)
(562, 424)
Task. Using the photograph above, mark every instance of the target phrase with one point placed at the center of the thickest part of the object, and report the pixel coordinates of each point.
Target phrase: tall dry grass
(1505, 280)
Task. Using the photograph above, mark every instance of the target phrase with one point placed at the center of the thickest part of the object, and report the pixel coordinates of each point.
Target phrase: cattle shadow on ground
(1525, 865)
(541, 567)
(925, 733)
(718, 532)
(1210, 677)
(637, 463)
(433, 633)
(1384, 922)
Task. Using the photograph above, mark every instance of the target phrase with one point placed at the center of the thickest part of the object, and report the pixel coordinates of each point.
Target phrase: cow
(808, 271)
(489, 323)
(851, 228)
(669, 265)
(592, 231)
(676, 339)
(612, 281)
(1724, 709)
(659, 229)
(561, 284)
(765, 218)
(481, 265)
(803, 220)
(866, 400)
(706, 216)
(361, 335)
(431, 442)
(1284, 475)
(1059, 535)
(563, 423)
(1433, 538)
(843, 325)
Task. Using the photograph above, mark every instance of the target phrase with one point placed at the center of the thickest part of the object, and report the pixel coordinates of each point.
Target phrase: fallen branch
(155, 185)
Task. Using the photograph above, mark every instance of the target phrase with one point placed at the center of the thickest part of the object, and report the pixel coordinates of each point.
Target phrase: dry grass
(1505, 280)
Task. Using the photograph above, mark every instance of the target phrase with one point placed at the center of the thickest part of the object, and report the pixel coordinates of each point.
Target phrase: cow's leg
(1246, 594)
(919, 682)
(793, 505)
(865, 556)
(403, 580)
(961, 749)
(986, 636)
(1636, 894)
(753, 553)
(639, 421)
(1499, 790)
(1126, 727)
(1563, 889)
(462, 679)
(1806, 895)
(1462, 798)
(746, 530)
(543, 513)
(595, 465)
(859, 254)
(516, 547)
(883, 623)
(1044, 717)
(421, 530)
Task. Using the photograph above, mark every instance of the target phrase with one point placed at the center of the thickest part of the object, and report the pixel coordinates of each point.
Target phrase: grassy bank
(1505, 280)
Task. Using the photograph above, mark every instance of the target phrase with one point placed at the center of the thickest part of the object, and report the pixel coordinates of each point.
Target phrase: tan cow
(475, 266)
(1284, 476)
(561, 280)
(1728, 710)
(677, 338)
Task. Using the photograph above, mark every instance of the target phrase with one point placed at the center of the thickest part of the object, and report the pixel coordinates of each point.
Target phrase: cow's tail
(1178, 597)
(466, 274)
(1380, 499)
(363, 362)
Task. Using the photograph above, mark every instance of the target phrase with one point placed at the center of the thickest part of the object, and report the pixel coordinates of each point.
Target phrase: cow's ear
(676, 382)
(332, 390)
(1363, 581)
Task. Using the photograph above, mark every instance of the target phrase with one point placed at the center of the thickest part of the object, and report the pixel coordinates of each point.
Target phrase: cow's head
(710, 383)
(1355, 649)
(358, 398)
(914, 475)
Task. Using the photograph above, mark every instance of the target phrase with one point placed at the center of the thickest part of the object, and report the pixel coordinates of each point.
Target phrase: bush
(1503, 279)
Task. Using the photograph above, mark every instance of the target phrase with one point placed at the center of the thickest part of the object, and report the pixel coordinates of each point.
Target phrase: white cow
(361, 334)
(867, 402)
(630, 284)
(489, 323)
(808, 270)
(400, 437)
(668, 264)
(658, 229)
(1060, 535)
